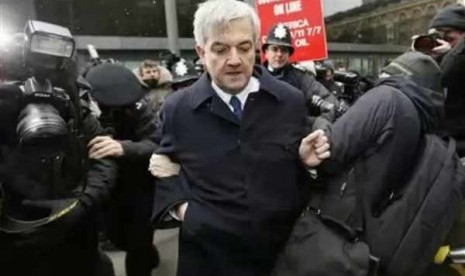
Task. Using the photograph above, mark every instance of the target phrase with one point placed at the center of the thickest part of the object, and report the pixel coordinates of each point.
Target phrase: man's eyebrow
(242, 43)
(245, 42)
(216, 43)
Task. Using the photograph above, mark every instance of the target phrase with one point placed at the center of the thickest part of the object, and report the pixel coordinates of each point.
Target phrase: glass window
(185, 13)
(355, 63)
(186, 10)
(106, 17)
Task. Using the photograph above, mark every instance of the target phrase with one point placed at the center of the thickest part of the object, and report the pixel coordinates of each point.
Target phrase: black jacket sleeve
(174, 190)
(101, 174)
(142, 148)
(363, 126)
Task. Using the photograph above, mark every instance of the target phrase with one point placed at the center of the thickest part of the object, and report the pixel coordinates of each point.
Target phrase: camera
(349, 78)
(41, 110)
(321, 104)
(352, 87)
(325, 106)
(426, 43)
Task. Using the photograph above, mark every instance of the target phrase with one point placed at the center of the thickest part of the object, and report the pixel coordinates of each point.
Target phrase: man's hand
(104, 146)
(161, 166)
(443, 48)
(314, 149)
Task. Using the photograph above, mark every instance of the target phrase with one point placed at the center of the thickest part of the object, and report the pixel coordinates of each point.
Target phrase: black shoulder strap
(349, 232)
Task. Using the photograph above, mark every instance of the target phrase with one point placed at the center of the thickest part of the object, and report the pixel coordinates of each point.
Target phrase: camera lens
(41, 130)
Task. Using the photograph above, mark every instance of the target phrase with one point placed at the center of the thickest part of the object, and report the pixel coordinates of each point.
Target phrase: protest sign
(305, 21)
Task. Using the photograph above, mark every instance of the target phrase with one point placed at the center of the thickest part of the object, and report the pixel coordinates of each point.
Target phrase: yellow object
(459, 268)
(63, 212)
(441, 255)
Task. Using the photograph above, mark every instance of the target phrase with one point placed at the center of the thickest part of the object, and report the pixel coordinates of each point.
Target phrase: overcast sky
(334, 6)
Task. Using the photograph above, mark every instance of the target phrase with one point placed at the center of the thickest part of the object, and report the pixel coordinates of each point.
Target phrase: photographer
(377, 144)
(327, 79)
(278, 49)
(450, 23)
(51, 191)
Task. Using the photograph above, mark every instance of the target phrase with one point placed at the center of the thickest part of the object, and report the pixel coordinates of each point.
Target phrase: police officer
(132, 122)
(278, 49)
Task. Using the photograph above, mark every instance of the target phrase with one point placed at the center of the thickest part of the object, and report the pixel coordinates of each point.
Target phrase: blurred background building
(362, 34)
(380, 22)
(334, 6)
(128, 31)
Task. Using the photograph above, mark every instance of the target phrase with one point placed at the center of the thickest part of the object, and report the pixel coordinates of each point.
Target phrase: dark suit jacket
(239, 177)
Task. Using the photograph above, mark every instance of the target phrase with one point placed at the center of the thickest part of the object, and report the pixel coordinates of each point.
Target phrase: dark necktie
(237, 107)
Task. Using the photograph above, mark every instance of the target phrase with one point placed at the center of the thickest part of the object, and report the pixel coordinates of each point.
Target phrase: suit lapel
(203, 95)
(220, 109)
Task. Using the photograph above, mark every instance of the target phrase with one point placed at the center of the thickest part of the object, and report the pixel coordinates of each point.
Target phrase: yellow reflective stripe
(62, 212)
(441, 255)
(460, 269)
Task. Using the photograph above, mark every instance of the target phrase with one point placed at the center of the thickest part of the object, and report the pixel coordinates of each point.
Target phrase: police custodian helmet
(279, 35)
(183, 71)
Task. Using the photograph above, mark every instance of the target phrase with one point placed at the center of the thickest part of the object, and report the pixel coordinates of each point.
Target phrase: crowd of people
(253, 162)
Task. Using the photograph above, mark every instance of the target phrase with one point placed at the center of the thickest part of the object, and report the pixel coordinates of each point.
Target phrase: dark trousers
(76, 256)
(128, 226)
(206, 250)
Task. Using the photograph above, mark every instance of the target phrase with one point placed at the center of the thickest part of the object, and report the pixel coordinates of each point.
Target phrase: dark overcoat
(243, 179)
(129, 209)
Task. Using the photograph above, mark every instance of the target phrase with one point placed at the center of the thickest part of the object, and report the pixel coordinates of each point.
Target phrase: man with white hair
(238, 136)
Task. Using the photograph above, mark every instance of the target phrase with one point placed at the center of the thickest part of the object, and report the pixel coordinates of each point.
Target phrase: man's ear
(200, 52)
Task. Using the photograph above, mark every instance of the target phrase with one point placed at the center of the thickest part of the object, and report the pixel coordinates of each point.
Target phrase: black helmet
(183, 70)
(279, 35)
(114, 85)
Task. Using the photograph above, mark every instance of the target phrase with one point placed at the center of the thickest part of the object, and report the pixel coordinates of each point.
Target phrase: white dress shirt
(252, 87)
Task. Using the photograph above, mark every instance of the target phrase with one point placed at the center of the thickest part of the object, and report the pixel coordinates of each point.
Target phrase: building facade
(384, 21)
(331, 7)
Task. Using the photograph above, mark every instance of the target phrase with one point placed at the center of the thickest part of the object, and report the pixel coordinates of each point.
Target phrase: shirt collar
(202, 89)
(252, 87)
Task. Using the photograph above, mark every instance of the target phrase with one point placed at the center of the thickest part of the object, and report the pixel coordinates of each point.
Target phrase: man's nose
(234, 59)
